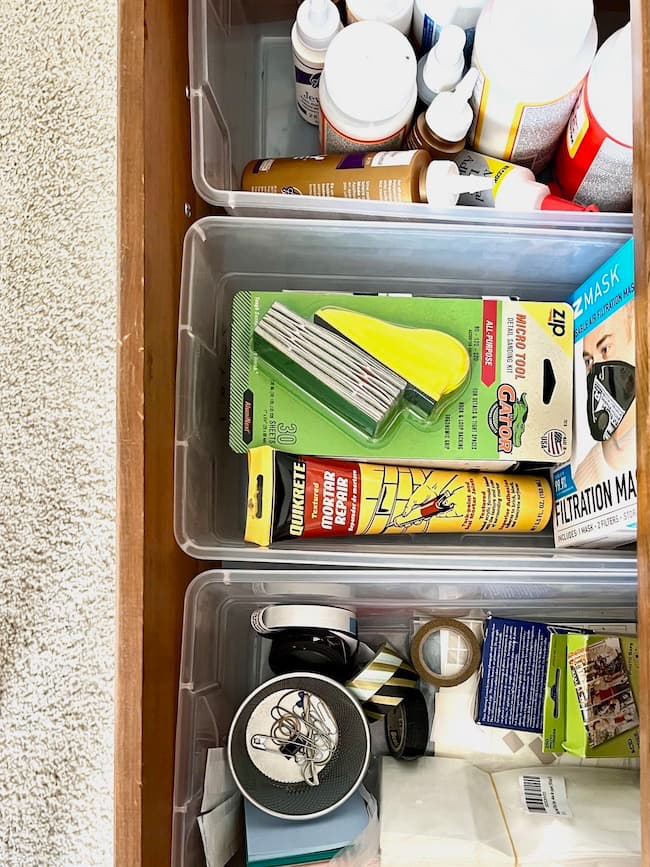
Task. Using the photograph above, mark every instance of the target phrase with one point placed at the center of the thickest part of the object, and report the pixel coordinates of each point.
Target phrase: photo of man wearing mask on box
(608, 353)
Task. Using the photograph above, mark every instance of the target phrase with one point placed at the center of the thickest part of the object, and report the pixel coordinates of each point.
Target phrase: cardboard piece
(586, 713)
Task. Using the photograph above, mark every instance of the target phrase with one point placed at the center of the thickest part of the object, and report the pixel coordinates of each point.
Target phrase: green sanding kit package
(473, 382)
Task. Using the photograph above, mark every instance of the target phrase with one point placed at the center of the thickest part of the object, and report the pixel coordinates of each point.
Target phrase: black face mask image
(610, 393)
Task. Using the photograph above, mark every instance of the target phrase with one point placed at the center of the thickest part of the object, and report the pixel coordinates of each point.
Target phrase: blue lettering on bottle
(430, 33)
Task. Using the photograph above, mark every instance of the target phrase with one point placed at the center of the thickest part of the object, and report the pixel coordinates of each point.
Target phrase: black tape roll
(407, 727)
(322, 652)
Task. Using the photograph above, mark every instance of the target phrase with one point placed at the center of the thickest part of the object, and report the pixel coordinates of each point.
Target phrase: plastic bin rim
(204, 224)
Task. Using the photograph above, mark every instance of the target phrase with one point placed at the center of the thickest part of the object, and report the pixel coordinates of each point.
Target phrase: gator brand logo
(507, 418)
(557, 322)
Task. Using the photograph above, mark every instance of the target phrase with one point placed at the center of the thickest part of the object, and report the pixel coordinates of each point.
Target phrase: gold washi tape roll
(470, 640)
(383, 682)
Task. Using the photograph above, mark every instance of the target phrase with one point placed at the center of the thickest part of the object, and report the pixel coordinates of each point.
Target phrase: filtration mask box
(463, 382)
(595, 494)
(592, 689)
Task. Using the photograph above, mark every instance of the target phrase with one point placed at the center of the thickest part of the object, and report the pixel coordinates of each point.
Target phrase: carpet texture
(57, 432)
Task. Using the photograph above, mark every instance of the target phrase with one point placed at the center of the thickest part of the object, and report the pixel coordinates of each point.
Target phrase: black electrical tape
(320, 652)
(407, 727)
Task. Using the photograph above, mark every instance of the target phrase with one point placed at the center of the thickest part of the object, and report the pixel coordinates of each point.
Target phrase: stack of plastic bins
(242, 106)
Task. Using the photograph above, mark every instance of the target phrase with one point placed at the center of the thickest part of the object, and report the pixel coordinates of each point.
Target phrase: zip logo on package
(557, 322)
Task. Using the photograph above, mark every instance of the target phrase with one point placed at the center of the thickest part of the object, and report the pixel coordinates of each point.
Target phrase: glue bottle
(594, 159)
(316, 25)
(430, 16)
(391, 176)
(532, 58)
(514, 189)
(442, 129)
(442, 68)
(368, 89)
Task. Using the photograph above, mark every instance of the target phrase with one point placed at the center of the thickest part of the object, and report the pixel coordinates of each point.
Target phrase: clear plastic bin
(224, 254)
(243, 108)
(223, 659)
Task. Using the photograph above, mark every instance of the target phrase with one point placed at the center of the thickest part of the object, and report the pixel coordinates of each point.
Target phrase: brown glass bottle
(422, 137)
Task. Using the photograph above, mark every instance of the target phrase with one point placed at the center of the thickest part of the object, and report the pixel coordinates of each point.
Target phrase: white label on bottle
(393, 158)
(307, 84)
(477, 165)
(335, 142)
(609, 178)
(524, 134)
(539, 130)
(544, 794)
(264, 166)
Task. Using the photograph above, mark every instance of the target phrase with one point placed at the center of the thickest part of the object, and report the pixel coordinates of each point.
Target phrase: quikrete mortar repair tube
(292, 496)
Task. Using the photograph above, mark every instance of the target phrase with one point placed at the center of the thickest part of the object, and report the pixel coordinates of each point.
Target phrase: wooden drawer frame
(157, 204)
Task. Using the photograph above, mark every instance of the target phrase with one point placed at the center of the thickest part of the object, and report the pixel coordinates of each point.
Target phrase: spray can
(389, 176)
(532, 58)
(514, 189)
(316, 25)
(594, 159)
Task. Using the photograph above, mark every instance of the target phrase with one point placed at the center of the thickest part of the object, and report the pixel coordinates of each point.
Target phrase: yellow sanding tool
(433, 363)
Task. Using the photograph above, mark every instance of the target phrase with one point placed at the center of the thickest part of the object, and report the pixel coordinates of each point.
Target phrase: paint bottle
(442, 129)
(515, 187)
(390, 176)
(430, 16)
(368, 89)
(594, 159)
(442, 68)
(317, 23)
(381, 499)
(532, 58)
(397, 13)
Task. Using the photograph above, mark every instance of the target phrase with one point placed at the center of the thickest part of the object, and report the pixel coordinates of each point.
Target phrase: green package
(590, 708)
(513, 404)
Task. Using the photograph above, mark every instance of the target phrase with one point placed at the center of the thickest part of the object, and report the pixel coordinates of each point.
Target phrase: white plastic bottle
(430, 16)
(515, 187)
(442, 68)
(442, 129)
(397, 13)
(594, 159)
(317, 23)
(532, 58)
(368, 89)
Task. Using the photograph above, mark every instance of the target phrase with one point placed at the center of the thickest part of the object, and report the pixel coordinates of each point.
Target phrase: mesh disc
(337, 780)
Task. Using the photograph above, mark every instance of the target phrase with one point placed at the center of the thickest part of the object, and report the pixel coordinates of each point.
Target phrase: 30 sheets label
(541, 793)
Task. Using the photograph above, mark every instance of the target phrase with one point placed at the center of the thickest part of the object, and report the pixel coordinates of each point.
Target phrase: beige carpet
(57, 431)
